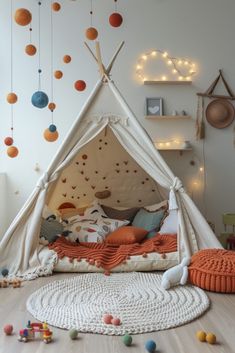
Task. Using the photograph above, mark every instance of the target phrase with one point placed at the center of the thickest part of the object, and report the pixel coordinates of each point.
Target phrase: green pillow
(50, 229)
(148, 220)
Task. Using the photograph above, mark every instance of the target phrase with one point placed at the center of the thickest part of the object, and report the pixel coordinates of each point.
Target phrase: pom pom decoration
(8, 141)
(201, 336)
(50, 136)
(80, 85)
(150, 346)
(12, 151)
(73, 334)
(107, 318)
(4, 272)
(116, 321)
(51, 106)
(30, 49)
(91, 33)
(39, 99)
(211, 338)
(23, 17)
(56, 6)
(67, 59)
(115, 19)
(12, 98)
(127, 340)
(58, 74)
(8, 329)
(52, 128)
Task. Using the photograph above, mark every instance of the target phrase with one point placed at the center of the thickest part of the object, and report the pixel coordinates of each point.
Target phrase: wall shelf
(153, 82)
(167, 117)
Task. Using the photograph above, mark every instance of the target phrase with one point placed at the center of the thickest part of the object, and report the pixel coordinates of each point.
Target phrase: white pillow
(157, 206)
(170, 224)
(94, 211)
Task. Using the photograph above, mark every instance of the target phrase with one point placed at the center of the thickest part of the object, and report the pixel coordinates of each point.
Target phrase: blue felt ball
(52, 128)
(4, 272)
(39, 99)
(150, 346)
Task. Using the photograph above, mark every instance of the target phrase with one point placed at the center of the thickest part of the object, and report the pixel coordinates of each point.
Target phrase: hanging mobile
(115, 19)
(39, 98)
(91, 32)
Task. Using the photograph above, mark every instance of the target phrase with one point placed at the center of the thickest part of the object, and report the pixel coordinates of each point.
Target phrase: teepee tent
(20, 250)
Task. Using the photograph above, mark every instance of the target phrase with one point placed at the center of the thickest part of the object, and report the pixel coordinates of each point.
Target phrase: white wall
(202, 30)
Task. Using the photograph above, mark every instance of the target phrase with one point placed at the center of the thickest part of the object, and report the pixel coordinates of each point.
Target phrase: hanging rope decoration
(39, 98)
(91, 32)
(51, 134)
(12, 151)
(184, 68)
(115, 19)
(30, 49)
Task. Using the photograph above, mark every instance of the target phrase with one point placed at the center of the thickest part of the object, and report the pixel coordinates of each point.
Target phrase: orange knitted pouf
(213, 270)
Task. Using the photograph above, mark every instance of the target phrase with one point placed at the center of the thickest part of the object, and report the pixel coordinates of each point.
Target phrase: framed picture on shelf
(154, 106)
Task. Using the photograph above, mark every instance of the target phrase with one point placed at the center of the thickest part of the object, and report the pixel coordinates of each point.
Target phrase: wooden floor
(220, 319)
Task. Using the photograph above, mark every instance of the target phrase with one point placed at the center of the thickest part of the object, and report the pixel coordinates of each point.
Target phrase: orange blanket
(109, 256)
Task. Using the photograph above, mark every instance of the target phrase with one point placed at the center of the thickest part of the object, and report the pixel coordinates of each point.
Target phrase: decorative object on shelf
(184, 68)
(115, 19)
(219, 113)
(167, 117)
(91, 32)
(154, 106)
(174, 144)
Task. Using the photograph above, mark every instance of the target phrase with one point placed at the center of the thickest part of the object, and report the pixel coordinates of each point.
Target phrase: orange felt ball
(12, 151)
(23, 17)
(8, 141)
(67, 59)
(115, 19)
(91, 33)
(50, 136)
(12, 98)
(211, 338)
(30, 49)
(56, 6)
(58, 74)
(80, 85)
(51, 106)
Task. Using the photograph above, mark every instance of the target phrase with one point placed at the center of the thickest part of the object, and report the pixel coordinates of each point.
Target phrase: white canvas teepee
(20, 251)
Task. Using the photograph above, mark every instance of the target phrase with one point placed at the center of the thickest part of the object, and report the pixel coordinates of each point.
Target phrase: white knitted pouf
(136, 298)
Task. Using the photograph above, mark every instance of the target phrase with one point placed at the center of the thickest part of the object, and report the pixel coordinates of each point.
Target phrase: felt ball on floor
(115, 19)
(116, 321)
(211, 338)
(91, 33)
(39, 99)
(67, 59)
(12, 151)
(150, 346)
(56, 6)
(4, 272)
(23, 17)
(52, 128)
(30, 49)
(50, 136)
(8, 141)
(201, 336)
(58, 74)
(12, 98)
(73, 334)
(51, 106)
(127, 340)
(8, 329)
(107, 318)
(80, 85)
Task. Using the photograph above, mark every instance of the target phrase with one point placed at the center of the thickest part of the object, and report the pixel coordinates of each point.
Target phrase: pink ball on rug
(107, 318)
(116, 321)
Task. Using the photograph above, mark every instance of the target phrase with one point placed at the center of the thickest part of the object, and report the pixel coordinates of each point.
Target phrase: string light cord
(39, 45)
(52, 62)
(11, 69)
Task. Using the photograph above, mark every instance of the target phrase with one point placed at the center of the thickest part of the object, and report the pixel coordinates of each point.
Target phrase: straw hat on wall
(220, 113)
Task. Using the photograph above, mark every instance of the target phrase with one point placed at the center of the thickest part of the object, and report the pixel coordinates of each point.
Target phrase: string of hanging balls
(39, 99)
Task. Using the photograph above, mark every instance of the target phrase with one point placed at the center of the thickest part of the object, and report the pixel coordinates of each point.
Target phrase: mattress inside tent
(103, 170)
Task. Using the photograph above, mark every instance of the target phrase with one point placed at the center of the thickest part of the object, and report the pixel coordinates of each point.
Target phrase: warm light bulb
(144, 57)
(188, 78)
(174, 71)
(180, 78)
(201, 169)
(177, 142)
(163, 78)
(168, 144)
(180, 62)
(138, 67)
(160, 144)
(193, 64)
(165, 54)
(169, 62)
(186, 63)
(154, 53)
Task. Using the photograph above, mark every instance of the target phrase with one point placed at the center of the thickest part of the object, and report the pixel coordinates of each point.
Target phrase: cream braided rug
(136, 298)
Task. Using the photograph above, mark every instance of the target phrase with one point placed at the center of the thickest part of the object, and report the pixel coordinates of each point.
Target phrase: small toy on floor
(127, 340)
(176, 275)
(210, 337)
(16, 283)
(31, 329)
(110, 320)
(73, 334)
(150, 346)
(201, 336)
(8, 329)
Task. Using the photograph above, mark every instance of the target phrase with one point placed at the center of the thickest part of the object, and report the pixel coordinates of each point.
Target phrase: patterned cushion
(213, 270)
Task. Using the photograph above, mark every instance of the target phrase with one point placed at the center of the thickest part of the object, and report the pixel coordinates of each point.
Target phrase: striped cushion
(213, 270)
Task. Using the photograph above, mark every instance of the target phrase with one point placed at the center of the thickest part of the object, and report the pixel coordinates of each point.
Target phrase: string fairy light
(185, 68)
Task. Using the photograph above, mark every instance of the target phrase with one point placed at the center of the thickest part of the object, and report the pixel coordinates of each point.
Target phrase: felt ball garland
(91, 32)
(56, 6)
(30, 49)
(115, 19)
(80, 85)
(23, 17)
(67, 59)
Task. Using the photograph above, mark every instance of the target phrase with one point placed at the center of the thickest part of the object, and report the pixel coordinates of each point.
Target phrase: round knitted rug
(136, 298)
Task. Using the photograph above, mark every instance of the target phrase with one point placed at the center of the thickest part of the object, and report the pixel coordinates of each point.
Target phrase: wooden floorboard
(220, 319)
